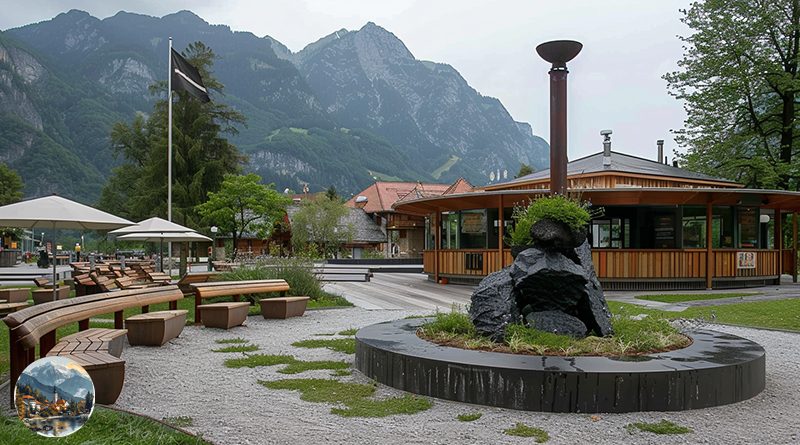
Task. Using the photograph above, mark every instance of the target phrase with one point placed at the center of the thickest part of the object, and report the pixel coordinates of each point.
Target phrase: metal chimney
(558, 53)
(660, 144)
(606, 148)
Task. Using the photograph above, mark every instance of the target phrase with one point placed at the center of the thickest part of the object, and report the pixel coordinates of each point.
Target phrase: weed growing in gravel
(293, 365)
(326, 334)
(354, 396)
(351, 331)
(662, 427)
(237, 348)
(226, 341)
(522, 430)
(411, 317)
(342, 373)
(469, 417)
(178, 421)
(346, 345)
(407, 404)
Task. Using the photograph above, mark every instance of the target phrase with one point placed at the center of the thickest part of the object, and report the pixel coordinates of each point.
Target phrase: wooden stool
(224, 315)
(155, 328)
(15, 295)
(44, 295)
(283, 307)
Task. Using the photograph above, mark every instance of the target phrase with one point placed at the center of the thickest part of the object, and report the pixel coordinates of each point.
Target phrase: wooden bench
(342, 274)
(283, 307)
(186, 281)
(234, 289)
(6, 308)
(224, 315)
(98, 351)
(103, 282)
(37, 325)
(15, 294)
(84, 284)
(132, 283)
(43, 295)
(155, 328)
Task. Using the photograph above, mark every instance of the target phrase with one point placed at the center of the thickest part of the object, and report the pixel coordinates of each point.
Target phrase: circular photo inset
(54, 396)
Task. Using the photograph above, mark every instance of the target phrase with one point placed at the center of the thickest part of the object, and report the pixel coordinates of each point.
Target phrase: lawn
(774, 314)
(105, 426)
(680, 298)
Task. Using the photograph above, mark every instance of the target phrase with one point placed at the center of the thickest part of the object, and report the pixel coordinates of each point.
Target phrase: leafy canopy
(10, 185)
(319, 225)
(569, 211)
(243, 204)
(739, 81)
(202, 156)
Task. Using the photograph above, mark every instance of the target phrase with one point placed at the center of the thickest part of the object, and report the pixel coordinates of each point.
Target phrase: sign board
(473, 223)
(745, 260)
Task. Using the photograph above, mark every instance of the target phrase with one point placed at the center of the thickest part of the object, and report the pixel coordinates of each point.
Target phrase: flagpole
(169, 152)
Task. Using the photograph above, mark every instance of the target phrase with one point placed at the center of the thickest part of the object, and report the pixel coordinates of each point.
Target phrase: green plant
(346, 345)
(237, 348)
(522, 430)
(469, 417)
(293, 366)
(227, 341)
(662, 427)
(351, 331)
(570, 211)
(407, 404)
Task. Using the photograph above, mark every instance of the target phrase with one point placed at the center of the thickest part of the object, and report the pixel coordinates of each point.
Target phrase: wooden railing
(622, 263)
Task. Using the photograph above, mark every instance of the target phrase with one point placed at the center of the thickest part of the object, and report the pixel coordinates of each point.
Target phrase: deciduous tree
(320, 222)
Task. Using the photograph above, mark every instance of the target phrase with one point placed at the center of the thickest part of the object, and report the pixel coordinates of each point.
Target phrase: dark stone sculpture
(552, 287)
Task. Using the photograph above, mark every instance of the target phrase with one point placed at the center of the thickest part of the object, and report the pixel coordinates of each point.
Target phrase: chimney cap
(559, 52)
(605, 132)
(660, 142)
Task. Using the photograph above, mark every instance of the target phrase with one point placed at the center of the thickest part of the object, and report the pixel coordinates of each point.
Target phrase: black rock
(493, 305)
(550, 234)
(557, 322)
(547, 281)
(593, 310)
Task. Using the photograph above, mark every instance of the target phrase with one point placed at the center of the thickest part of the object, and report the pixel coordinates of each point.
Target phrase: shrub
(569, 211)
(296, 272)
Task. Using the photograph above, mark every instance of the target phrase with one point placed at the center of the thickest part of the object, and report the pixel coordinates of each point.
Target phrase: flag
(186, 77)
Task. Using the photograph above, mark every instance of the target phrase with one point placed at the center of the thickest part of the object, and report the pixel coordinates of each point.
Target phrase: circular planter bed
(716, 369)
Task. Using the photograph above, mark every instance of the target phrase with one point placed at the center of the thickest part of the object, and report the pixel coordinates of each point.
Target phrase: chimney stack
(606, 147)
(558, 53)
(660, 144)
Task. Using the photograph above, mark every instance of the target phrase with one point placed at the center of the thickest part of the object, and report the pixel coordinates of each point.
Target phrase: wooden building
(662, 228)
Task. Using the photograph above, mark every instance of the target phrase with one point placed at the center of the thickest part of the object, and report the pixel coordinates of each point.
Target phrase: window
(748, 227)
(611, 233)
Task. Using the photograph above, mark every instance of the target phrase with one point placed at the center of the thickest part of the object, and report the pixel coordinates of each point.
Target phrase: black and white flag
(186, 77)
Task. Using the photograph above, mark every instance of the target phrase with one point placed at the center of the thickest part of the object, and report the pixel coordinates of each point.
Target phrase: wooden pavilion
(663, 227)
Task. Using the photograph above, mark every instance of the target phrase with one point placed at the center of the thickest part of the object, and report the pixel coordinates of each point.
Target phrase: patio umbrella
(164, 236)
(154, 225)
(55, 212)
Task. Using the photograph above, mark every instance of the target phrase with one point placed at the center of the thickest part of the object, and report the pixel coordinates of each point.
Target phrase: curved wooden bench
(234, 289)
(38, 324)
(186, 281)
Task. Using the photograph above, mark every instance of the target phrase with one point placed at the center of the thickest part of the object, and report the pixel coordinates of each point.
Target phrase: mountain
(353, 107)
(69, 383)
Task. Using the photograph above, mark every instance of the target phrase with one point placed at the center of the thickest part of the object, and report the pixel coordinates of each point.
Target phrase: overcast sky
(615, 83)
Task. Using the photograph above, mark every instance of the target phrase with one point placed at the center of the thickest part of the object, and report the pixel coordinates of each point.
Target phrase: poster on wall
(745, 260)
(473, 223)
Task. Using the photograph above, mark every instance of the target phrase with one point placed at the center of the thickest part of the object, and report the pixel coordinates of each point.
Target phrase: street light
(214, 230)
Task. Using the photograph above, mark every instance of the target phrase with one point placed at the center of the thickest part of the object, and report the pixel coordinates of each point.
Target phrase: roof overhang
(773, 199)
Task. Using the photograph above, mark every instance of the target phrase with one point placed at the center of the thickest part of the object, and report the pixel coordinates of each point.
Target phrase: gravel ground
(183, 378)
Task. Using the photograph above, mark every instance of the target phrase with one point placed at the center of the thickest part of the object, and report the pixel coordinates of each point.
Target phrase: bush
(298, 273)
(569, 211)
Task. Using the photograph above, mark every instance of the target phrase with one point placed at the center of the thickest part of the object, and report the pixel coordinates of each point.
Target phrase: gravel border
(183, 378)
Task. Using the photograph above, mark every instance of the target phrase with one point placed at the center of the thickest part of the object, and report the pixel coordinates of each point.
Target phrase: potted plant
(553, 221)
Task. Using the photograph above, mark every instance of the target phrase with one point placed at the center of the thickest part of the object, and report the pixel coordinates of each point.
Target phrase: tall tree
(524, 170)
(242, 205)
(739, 81)
(10, 185)
(320, 222)
(202, 156)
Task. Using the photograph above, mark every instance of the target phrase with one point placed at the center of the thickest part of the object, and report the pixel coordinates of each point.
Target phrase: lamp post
(214, 230)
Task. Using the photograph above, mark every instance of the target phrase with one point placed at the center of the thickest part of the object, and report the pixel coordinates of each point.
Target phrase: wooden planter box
(44, 295)
(15, 295)
(283, 307)
(155, 328)
(224, 315)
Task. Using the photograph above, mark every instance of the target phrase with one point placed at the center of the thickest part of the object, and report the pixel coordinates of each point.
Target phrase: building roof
(382, 195)
(620, 162)
(364, 228)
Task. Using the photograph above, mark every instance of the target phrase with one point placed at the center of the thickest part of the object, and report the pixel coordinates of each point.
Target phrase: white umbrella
(55, 212)
(152, 225)
(163, 236)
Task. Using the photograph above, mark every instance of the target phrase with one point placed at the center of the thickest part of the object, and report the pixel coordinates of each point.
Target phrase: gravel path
(183, 378)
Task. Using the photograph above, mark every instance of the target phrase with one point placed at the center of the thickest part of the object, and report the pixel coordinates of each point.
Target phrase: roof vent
(606, 147)
(361, 201)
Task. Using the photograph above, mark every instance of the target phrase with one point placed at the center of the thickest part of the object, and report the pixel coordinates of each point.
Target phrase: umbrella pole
(55, 277)
(161, 253)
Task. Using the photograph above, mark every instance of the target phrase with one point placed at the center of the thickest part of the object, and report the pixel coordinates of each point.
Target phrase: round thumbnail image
(54, 396)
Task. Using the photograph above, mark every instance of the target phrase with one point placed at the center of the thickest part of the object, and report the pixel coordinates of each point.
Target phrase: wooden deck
(402, 291)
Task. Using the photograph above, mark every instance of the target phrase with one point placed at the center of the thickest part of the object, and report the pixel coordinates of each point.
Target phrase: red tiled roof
(382, 195)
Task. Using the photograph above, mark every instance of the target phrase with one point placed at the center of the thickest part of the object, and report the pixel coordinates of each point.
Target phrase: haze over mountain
(352, 107)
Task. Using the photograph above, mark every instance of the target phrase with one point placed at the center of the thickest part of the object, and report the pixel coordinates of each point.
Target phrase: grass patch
(351, 331)
(407, 404)
(469, 417)
(342, 373)
(354, 397)
(680, 298)
(773, 314)
(346, 345)
(331, 334)
(522, 430)
(293, 366)
(237, 348)
(652, 334)
(104, 427)
(179, 421)
(228, 341)
(412, 317)
(662, 427)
